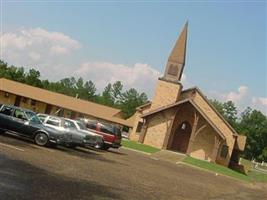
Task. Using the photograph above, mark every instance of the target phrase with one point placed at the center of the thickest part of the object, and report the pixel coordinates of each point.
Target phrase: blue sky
(226, 54)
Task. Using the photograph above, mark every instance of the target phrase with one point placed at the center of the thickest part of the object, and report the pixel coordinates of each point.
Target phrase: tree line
(251, 123)
(113, 95)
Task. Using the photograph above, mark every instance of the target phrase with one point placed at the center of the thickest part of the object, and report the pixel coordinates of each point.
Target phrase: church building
(184, 120)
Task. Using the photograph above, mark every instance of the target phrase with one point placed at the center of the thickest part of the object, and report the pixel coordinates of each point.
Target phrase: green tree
(227, 110)
(131, 99)
(218, 106)
(253, 124)
(230, 113)
(90, 89)
(106, 97)
(116, 91)
(33, 78)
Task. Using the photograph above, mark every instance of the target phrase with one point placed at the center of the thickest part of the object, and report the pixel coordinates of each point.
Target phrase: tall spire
(176, 61)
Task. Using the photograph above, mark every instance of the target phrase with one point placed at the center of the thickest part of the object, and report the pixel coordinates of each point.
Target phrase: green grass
(257, 176)
(247, 163)
(252, 175)
(216, 168)
(138, 146)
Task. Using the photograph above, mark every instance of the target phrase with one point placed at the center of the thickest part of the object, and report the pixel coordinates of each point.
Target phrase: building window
(173, 70)
(33, 102)
(24, 99)
(183, 126)
(224, 151)
(139, 127)
(6, 94)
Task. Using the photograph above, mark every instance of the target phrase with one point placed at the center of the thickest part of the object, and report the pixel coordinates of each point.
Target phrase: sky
(130, 41)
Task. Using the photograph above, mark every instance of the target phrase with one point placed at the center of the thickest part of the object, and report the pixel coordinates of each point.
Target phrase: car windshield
(81, 126)
(33, 117)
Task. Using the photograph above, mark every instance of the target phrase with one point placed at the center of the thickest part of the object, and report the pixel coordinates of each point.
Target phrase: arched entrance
(181, 137)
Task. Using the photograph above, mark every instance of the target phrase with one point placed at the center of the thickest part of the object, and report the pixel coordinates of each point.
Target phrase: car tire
(71, 145)
(98, 146)
(105, 147)
(41, 139)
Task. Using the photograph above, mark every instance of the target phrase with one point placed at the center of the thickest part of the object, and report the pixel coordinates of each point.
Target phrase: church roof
(204, 107)
(179, 50)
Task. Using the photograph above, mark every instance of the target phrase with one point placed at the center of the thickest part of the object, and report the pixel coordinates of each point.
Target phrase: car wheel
(41, 139)
(71, 145)
(105, 147)
(98, 146)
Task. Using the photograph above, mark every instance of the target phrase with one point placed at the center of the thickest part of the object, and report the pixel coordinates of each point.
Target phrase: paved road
(31, 172)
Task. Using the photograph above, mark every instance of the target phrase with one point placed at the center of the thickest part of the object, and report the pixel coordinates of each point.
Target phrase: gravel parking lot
(28, 171)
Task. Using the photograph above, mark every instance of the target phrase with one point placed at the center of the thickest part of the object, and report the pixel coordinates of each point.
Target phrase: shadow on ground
(20, 180)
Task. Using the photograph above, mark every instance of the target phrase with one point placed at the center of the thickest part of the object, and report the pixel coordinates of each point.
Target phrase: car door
(77, 136)
(21, 123)
(107, 133)
(6, 117)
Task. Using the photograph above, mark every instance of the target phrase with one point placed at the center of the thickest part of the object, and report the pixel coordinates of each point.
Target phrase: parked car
(111, 134)
(77, 133)
(25, 123)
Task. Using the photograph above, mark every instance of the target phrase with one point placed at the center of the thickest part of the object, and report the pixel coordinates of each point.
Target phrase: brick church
(184, 120)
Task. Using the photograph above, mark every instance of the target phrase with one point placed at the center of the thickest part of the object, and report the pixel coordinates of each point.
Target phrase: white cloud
(260, 103)
(140, 76)
(34, 56)
(58, 50)
(37, 46)
(239, 95)
(242, 99)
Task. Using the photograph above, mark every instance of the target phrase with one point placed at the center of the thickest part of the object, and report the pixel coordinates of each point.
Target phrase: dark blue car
(25, 123)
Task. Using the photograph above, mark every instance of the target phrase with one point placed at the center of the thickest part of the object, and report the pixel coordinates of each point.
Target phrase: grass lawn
(252, 175)
(257, 176)
(138, 146)
(216, 168)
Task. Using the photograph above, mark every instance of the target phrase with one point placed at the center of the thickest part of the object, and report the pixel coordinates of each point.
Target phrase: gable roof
(214, 121)
(188, 100)
(213, 109)
(63, 101)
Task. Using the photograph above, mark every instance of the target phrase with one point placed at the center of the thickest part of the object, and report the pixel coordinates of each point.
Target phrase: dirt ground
(31, 172)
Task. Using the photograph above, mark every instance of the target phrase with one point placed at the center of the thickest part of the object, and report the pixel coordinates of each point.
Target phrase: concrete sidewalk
(169, 156)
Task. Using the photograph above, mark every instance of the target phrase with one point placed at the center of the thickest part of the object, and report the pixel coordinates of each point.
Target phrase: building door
(17, 101)
(181, 137)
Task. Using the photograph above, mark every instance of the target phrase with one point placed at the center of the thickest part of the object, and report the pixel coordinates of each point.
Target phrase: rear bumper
(113, 145)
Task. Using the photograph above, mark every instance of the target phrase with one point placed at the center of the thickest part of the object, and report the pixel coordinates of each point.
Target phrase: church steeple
(169, 88)
(176, 61)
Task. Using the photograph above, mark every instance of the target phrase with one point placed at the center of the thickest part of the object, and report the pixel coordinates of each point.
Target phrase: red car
(111, 134)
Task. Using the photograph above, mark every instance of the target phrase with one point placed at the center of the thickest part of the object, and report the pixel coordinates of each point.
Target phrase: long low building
(44, 101)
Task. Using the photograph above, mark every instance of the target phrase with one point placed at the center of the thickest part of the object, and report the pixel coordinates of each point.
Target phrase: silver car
(76, 133)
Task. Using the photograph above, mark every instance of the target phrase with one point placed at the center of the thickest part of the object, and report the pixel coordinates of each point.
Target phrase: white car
(77, 134)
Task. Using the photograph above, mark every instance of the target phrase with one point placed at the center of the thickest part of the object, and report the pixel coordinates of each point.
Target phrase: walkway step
(169, 156)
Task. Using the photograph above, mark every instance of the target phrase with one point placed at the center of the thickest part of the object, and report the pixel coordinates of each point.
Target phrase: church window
(183, 127)
(173, 70)
(224, 151)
